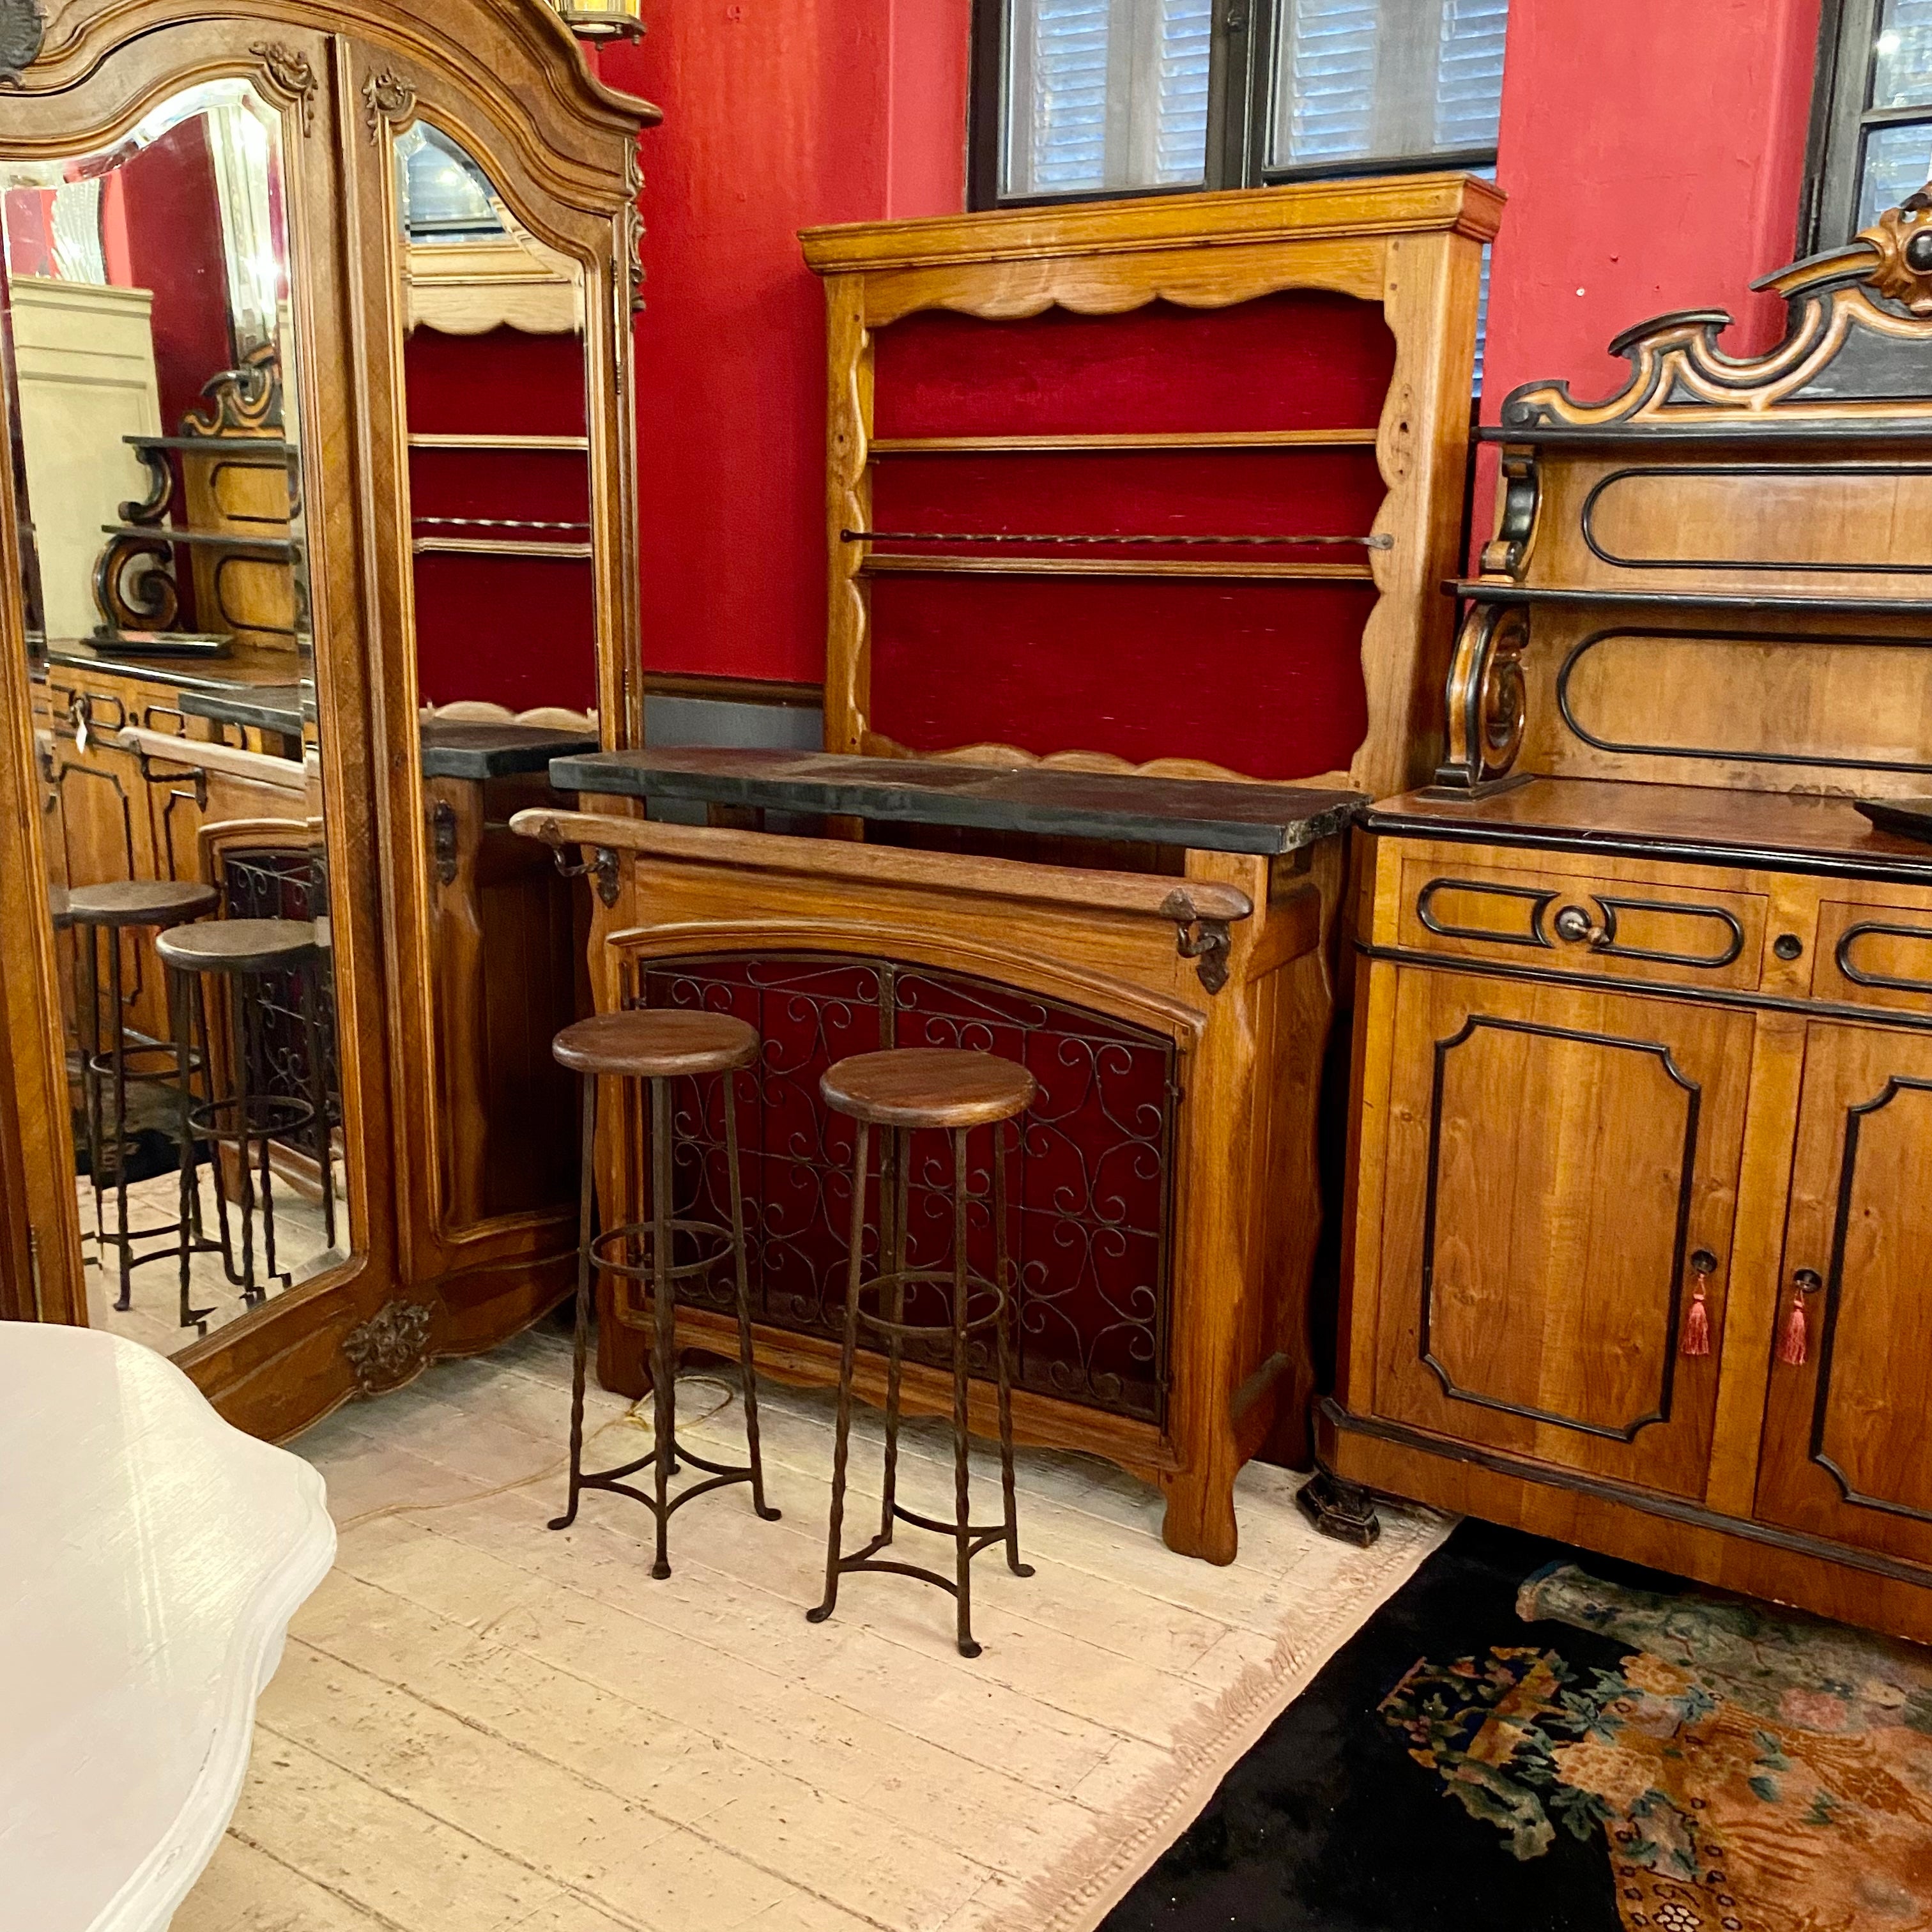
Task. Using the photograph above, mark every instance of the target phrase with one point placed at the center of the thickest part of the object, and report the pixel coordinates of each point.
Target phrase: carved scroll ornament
(1485, 702)
(388, 101)
(390, 1349)
(1859, 332)
(289, 74)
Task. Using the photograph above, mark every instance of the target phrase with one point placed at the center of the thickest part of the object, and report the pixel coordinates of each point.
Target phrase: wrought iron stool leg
(87, 939)
(586, 1200)
(1008, 1315)
(253, 989)
(180, 1024)
(239, 1038)
(961, 1430)
(846, 1354)
(894, 1186)
(664, 1363)
(198, 1013)
(118, 1054)
(318, 1088)
(746, 1365)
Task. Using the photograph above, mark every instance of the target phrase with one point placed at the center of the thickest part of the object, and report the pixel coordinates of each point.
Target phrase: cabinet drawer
(1873, 956)
(1558, 922)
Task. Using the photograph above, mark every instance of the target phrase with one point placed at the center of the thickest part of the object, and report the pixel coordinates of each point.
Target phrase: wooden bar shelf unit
(1640, 1171)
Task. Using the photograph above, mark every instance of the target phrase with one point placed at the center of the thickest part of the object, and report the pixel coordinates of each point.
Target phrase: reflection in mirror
(506, 665)
(149, 360)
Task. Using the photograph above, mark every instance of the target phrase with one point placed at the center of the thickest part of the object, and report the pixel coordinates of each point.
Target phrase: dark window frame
(1240, 79)
(1841, 116)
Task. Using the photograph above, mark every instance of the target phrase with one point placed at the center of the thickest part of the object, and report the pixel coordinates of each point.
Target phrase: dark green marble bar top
(1222, 816)
(454, 750)
(268, 707)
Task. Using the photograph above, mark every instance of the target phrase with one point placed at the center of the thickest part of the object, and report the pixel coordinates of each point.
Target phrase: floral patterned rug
(1745, 1769)
(1533, 1739)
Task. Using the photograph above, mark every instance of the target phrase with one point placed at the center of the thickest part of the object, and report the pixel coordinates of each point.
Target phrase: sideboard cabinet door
(1847, 1449)
(1559, 1162)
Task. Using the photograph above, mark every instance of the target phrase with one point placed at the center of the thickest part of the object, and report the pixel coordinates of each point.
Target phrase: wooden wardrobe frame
(506, 79)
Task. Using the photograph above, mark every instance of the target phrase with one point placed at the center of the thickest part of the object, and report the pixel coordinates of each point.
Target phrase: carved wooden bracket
(442, 840)
(1206, 941)
(390, 1349)
(1484, 701)
(1507, 553)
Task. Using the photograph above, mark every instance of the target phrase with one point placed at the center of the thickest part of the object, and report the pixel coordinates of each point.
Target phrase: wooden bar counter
(1158, 952)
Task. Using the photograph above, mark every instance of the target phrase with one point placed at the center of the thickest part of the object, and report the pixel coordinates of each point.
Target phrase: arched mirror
(316, 545)
(158, 456)
(502, 605)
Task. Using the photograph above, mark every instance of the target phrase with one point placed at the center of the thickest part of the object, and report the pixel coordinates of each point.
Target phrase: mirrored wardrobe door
(496, 291)
(155, 296)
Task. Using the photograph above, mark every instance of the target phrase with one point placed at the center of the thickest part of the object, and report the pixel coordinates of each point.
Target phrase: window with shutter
(1105, 95)
(1872, 120)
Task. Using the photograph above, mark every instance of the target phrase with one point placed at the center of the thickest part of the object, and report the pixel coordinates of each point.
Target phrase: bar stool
(241, 952)
(111, 1062)
(901, 1091)
(659, 1047)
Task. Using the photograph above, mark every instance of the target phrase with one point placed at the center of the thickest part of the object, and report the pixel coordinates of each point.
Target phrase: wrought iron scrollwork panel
(267, 883)
(1091, 1173)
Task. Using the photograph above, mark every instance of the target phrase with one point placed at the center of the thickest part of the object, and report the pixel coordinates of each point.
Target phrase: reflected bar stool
(659, 1047)
(900, 1091)
(245, 954)
(111, 1061)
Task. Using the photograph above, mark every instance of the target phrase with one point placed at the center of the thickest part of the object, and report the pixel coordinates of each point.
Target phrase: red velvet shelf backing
(519, 632)
(1231, 492)
(549, 485)
(514, 630)
(502, 383)
(1264, 678)
(1301, 360)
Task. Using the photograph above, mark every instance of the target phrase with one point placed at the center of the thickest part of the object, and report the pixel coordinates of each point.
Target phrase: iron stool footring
(598, 1255)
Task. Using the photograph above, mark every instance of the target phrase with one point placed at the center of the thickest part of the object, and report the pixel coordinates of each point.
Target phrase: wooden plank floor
(480, 1725)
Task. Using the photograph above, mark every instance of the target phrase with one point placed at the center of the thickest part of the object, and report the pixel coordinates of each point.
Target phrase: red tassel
(1697, 1326)
(1792, 1349)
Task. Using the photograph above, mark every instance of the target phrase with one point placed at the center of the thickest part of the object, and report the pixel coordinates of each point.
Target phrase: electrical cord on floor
(636, 1417)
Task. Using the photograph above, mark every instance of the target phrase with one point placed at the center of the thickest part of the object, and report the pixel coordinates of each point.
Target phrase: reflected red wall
(777, 117)
(1653, 152)
(172, 227)
(516, 631)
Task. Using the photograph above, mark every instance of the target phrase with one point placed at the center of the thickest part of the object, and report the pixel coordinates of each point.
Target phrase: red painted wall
(778, 114)
(1652, 151)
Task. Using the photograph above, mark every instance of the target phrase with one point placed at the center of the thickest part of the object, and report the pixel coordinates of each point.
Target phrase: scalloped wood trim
(877, 744)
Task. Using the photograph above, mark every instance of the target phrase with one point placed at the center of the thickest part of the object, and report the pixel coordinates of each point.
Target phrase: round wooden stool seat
(929, 1087)
(652, 1043)
(140, 902)
(237, 945)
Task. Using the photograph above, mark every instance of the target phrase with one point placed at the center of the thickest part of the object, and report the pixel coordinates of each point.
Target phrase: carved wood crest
(290, 75)
(23, 28)
(1859, 333)
(390, 1349)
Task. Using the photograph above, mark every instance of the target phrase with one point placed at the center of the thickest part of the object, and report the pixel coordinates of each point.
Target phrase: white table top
(151, 1557)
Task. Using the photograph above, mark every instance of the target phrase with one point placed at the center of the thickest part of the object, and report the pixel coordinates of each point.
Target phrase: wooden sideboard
(1640, 1170)
(1155, 951)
